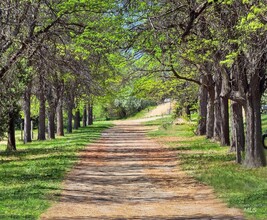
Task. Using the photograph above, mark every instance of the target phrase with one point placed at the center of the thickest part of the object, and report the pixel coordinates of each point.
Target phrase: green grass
(264, 122)
(30, 178)
(214, 165)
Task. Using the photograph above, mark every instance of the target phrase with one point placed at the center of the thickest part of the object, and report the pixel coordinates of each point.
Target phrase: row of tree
(65, 51)
(221, 47)
(55, 56)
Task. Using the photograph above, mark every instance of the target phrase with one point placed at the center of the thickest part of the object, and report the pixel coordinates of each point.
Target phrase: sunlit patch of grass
(214, 165)
(264, 122)
(30, 178)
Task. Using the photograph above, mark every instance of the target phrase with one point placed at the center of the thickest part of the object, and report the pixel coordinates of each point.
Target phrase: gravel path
(125, 175)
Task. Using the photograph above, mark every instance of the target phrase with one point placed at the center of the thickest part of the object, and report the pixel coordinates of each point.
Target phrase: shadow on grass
(30, 177)
(212, 164)
(198, 146)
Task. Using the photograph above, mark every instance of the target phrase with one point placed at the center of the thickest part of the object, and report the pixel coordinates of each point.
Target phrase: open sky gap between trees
(62, 61)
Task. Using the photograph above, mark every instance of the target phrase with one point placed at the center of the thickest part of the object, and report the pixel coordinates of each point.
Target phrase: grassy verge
(215, 166)
(30, 178)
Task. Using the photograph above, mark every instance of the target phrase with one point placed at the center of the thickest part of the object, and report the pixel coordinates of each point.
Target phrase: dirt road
(125, 175)
(162, 109)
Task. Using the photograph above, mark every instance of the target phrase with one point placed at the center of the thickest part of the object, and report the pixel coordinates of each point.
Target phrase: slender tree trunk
(203, 102)
(84, 116)
(11, 142)
(254, 156)
(51, 122)
(90, 114)
(187, 112)
(225, 134)
(210, 113)
(41, 126)
(77, 119)
(238, 136)
(27, 115)
(217, 108)
(217, 119)
(69, 128)
(60, 125)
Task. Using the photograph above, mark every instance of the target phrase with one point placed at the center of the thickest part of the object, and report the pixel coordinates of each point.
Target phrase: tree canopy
(68, 55)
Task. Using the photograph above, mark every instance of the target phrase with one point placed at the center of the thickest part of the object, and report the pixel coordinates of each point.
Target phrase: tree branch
(184, 78)
(194, 14)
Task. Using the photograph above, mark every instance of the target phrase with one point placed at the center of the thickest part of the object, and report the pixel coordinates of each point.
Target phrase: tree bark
(90, 114)
(203, 102)
(51, 122)
(27, 115)
(77, 119)
(11, 142)
(238, 136)
(217, 105)
(217, 118)
(60, 125)
(225, 134)
(41, 126)
(210, 113)
(84, 116)
(254, 156)
(69, 128)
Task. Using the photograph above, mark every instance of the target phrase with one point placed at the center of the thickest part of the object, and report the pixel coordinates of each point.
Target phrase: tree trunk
(69, 128)
(238, 136)
(84, 116)
(41, 126)
(77, 119)
(217, 119)
(27, 115)
(203, 102)
(90, 114)
(11, 142)
(210, 113)
(51, 122)
(217, 107)
(187, 112)
(60, 125)
(225, 134)
(254, 156)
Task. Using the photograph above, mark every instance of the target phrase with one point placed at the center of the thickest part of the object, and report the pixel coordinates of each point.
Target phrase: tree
(178, 33)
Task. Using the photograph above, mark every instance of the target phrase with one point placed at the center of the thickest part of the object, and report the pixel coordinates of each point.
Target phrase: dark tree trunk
(203, 102)
(238, 136)
(210, 113)
(254, 156)
(60, 125)
(84, 116)
(217, 107)
(90, 114)
(11, 142)
(69, 128)
(77, 119)
(41, 126)
(187, 112)
(217, 119)
(225, 134)
(27, 115)
(51, 122)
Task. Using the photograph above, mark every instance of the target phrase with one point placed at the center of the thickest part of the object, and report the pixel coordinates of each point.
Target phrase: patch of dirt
(162, 109)
(125, 175)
